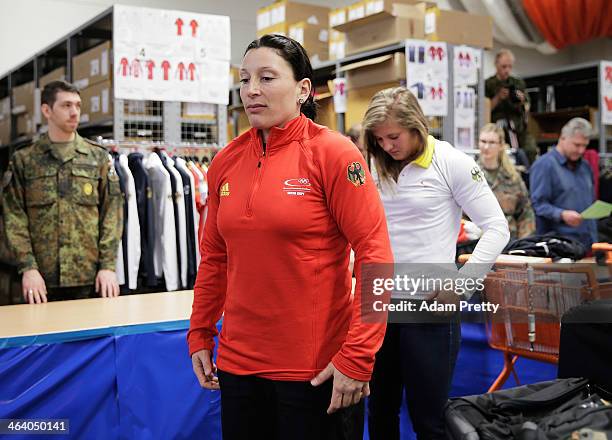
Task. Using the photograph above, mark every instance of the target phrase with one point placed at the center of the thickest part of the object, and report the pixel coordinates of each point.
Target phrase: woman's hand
(346, 391)
(205, 370)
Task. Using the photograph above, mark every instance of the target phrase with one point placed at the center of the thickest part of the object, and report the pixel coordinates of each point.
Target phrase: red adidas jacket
(275, 255)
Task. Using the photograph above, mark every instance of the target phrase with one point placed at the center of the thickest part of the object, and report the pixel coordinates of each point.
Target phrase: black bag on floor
(542, 411)
(546, 246)
(585, 349)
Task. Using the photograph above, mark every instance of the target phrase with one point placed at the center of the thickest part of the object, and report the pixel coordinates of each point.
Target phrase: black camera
(514, 98)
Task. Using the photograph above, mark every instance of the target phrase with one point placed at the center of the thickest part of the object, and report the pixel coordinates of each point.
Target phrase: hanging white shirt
(119, 264)
(165, 259)
(182, 220)
(133, 225)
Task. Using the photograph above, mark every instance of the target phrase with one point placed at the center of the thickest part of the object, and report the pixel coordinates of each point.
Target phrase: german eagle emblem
(356, 174)
(477, 174)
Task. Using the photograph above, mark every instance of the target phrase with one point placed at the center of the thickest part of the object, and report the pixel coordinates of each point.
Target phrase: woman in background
(505, 182)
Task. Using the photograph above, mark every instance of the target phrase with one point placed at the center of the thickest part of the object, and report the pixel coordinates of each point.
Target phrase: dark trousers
(257, 408)
(418, 359)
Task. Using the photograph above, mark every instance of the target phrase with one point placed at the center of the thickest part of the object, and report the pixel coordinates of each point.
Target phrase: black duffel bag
(550, 410)
(546, 246)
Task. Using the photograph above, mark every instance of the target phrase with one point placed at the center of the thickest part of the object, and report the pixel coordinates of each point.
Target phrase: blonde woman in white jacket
(425, 185)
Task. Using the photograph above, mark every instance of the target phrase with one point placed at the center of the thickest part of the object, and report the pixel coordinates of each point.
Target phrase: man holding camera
(510, 103)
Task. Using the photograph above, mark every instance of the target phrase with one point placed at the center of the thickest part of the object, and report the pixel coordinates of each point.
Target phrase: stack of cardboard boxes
(377, 23)
(58, 74)
(92, 73)
(25, 103)
(305, 23)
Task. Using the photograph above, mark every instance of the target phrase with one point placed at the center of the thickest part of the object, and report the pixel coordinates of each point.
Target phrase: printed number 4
(142, 52)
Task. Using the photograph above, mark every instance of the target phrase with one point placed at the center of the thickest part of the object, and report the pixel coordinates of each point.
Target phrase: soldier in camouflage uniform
(510, 102)
(62, 206)
(505, 182)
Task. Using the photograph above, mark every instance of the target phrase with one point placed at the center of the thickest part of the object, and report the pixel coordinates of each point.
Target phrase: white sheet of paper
(168, 55)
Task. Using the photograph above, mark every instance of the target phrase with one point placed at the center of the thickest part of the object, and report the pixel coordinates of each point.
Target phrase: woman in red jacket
(287, 200)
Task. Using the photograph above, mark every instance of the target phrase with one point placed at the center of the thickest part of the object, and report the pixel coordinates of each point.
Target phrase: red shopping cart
(532, 299)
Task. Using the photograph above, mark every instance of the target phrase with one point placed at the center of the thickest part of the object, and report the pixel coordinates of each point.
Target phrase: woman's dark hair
(292, 52)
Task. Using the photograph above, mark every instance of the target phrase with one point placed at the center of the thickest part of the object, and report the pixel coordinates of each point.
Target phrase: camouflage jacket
(63, 211)
(513, 198)
(506, 108)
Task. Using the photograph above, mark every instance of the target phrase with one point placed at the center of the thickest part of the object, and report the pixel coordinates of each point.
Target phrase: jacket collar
(46, 146)
(45, 143)
(424, 160)
(278, 137)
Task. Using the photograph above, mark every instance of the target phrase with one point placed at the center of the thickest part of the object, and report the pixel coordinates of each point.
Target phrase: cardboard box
(383, 69)
(277, 17)
(384, 28)
(356, 11)
(5, 130)
(23, 98)
(364, 8)
(459, 27)
(92, 67)
(375, 6)
(337, 45)
(5, 108)
(337, 16)
(359, 100)
(25, 125)
(326, 114)
(58, 74)
(5, 121)
(199, 110)
(314, 38)
(97, 102)
(281, 29)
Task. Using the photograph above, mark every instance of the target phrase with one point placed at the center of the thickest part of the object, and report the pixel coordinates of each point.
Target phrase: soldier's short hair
(49, 93)
(577, 126)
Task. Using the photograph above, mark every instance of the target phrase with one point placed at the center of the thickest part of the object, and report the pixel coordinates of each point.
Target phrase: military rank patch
(477, 174)
(87, 189)
(355, 174)
(6, 179)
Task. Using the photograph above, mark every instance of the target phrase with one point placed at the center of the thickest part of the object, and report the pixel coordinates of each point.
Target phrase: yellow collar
(424, 160)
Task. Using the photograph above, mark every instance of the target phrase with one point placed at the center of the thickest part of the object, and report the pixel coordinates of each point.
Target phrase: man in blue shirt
(561, 186)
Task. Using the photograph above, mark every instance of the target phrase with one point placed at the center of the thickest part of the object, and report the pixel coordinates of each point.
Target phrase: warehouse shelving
(565, 93)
